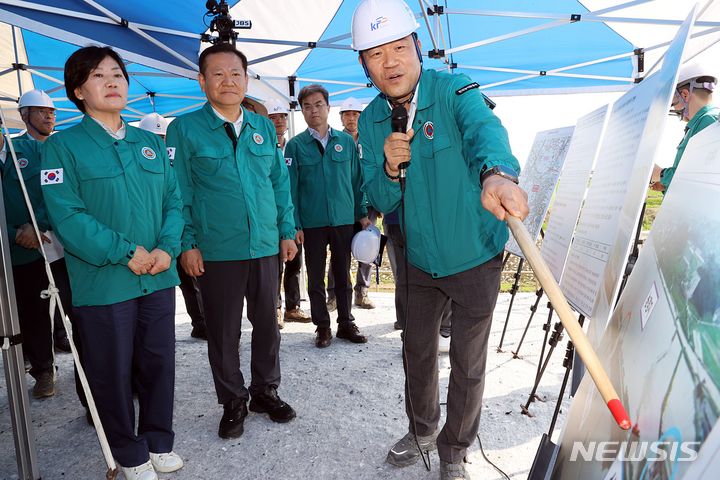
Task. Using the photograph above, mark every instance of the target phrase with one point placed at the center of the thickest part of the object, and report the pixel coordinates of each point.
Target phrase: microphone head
(399, 119)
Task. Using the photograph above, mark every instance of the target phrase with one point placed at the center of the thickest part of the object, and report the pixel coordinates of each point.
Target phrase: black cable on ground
(424, 455)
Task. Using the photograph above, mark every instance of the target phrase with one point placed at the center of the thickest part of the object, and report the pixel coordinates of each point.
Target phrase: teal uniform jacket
(237, 204)
(104, 198)
(326, 187)
(704, 117)
(16, 211)
(456, 136)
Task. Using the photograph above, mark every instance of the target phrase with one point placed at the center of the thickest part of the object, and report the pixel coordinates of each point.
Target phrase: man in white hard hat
(461, 183)
(189, 286)
(278, 114)
(692, 102)
(349, 114)
(37, 111)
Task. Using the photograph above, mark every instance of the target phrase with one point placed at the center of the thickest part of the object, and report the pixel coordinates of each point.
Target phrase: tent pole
(17, 61)
(14, 365)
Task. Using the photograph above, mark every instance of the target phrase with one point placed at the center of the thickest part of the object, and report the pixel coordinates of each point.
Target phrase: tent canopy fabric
(557, 46)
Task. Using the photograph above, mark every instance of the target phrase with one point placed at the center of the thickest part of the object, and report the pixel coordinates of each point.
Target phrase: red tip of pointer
(619, 413)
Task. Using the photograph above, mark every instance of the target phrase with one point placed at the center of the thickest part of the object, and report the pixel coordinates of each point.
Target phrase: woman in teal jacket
(116, 207)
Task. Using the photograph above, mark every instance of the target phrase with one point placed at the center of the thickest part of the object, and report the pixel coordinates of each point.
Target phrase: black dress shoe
(269, 402)
(232, 424)
(323, 337)
(199, 332)
(62, 344)
(350, 331)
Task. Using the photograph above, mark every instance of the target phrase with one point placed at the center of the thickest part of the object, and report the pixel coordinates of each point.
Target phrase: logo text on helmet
(376, 24)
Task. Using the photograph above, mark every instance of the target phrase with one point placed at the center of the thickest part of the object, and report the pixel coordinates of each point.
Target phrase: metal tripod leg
(533, 309)
(554, 339)
(513, 291)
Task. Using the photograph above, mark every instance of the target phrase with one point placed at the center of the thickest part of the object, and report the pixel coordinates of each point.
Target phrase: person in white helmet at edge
(189, 286)
(461, 184)
(692, 102)
(278, 115)
(349, 114)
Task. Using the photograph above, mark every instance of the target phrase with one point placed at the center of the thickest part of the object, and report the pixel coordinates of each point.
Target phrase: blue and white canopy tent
(559, 46)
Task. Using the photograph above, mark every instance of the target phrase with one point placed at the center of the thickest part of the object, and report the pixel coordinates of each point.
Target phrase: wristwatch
(500, 170)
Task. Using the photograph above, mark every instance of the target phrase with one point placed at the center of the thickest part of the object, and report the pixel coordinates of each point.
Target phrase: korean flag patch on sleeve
(51, 177)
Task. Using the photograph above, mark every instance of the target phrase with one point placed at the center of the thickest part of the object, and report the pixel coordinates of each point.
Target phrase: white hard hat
(376, 22)
(35, 98)
(691, 71)
(365, 245)
(351, 105)
(275, 106)
(154, 123)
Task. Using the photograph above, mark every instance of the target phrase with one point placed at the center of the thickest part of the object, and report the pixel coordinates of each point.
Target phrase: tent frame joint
(543, 73)
(436, 10)
(437, 53)
(575, 17)
(640, 54)
(19, 66)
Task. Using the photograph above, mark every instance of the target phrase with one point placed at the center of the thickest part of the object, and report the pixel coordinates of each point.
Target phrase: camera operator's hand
(397, 151)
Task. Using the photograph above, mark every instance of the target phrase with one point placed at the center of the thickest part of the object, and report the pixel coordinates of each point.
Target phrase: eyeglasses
(315, 106)
(48, 112)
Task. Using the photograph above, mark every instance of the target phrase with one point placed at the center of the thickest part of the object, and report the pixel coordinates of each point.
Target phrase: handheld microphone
(398, 122)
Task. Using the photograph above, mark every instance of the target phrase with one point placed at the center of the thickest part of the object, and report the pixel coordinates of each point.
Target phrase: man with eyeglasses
(692, 103)
(325, 180)
(37, 111)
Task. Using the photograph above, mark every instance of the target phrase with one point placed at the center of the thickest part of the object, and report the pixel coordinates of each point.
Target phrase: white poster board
(661, 348)
(539, 177)
(605, 231)
(572, 188)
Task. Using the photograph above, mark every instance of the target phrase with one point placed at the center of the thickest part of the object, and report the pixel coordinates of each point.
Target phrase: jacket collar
(425, 99)
(101, 137)
(696, 118)
(215, 122)
(308, 138)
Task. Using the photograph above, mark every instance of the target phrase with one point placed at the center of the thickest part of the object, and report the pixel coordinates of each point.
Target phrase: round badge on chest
(258, 139)
(338, 148)
(429, 130)
(148, 153)
(23, 162)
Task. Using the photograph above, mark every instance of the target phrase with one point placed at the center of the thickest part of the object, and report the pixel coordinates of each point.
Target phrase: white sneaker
(141, 472)
(166, 462)
(444, 344)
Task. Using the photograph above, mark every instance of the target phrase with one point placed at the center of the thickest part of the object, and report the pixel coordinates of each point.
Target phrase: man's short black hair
(221, 48)
(81, 63)
(310, 89)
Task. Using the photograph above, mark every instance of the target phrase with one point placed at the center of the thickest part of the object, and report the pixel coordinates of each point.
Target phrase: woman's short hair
(81, 63)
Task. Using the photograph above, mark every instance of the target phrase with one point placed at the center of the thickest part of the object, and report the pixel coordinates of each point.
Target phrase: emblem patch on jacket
(50, 177)
(148, 153)
(288, 161)
(257, 138)
(466, 88)
(429, 130)
(23, 162)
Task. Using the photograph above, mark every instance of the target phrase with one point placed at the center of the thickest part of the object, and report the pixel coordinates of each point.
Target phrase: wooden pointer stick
(567, 317)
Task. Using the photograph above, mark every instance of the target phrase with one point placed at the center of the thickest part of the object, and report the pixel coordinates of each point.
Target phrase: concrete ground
(349, 401)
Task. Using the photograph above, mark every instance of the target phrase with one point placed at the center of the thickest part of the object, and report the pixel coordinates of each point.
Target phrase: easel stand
(539, 294)
(513, 291)
(546, 455)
